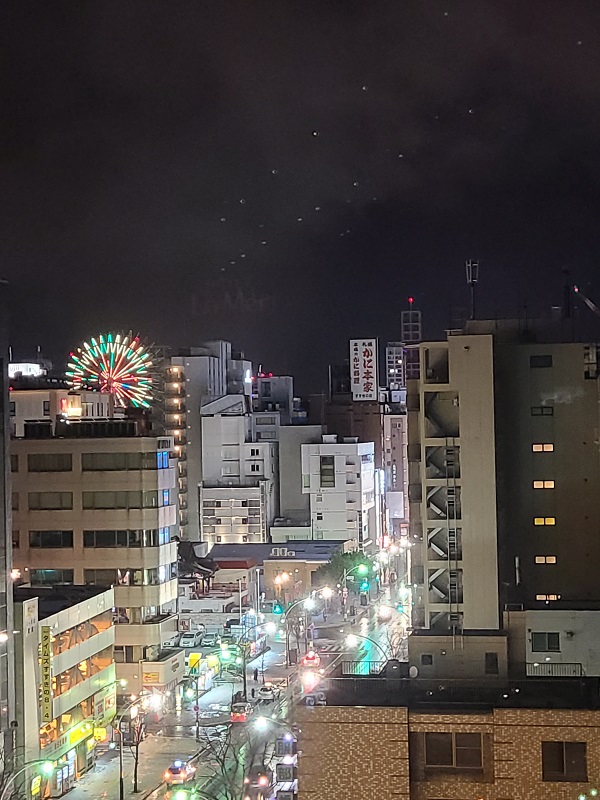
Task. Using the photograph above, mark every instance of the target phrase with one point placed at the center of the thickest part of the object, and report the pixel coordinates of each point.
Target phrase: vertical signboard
(363, 369)
(46, 674)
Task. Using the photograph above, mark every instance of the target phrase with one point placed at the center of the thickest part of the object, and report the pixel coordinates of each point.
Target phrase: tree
(332, 573)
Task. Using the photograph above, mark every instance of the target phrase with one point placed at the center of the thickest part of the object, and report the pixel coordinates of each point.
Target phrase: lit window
(542, 448)
(545, 559)
(547, 597)
(543, 484)
(544, 521)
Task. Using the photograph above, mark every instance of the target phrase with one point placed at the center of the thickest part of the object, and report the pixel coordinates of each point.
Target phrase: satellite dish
(413, 672)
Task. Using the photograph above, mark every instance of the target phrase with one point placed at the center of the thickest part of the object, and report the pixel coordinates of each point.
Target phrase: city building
(95, 503)
(294, 503)
(420, 740)
(239, 489)
(274, 393)
(339, 478)
(395, 470)
(503, 474)
(411, 333)
(395, 366)
(7, 676)
(42, 398)
(65, 679)
(210, 379)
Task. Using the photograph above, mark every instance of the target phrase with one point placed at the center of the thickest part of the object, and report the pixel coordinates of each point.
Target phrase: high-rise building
(411, 333)
(7, 697)
(339, 477)
(208, 379)
(95, 503)
(239, 488)
(504, 507)
(395, 366)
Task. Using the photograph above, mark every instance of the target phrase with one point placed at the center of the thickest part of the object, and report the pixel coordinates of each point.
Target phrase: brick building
(428, 753)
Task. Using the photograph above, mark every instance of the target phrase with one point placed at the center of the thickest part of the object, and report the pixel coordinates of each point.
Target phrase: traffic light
(364, 587)
(226, 654)
(277, 608)
(400, 608)
(362, 569)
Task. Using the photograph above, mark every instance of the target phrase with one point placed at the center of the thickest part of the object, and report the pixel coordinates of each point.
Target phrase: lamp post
(47, 770)
(243, 638)
(130, 705)
(309, 604)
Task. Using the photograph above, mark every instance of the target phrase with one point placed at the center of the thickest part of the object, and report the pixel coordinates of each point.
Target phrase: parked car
(179, 772)
(240, 712)
(211, 640)
(268, 692)
(191, 639)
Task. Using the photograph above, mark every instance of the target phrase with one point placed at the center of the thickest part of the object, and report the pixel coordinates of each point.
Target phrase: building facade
(97, 508)
(65, 680)
(503, 499)
(339, 478)
(498, 754)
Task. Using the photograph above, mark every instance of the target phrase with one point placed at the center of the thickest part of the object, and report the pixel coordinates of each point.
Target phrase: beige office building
(96, 503)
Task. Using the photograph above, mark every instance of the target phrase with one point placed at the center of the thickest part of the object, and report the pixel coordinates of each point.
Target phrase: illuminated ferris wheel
(115, 364)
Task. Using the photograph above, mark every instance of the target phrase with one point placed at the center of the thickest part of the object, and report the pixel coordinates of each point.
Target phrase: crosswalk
(335, 649)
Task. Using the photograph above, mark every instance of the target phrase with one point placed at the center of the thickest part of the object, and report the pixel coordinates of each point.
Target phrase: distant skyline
(285, 175)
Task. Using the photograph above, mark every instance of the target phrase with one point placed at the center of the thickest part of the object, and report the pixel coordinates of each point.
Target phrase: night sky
(284, 174)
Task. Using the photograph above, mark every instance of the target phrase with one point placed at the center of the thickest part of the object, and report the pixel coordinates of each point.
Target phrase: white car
(268, 692)
(191, 639)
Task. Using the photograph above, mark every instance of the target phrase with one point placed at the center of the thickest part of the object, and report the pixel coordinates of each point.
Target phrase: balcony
(155, 631)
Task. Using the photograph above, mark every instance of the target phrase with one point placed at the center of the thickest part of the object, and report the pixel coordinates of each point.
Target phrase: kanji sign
(46, 667)
(363, 369)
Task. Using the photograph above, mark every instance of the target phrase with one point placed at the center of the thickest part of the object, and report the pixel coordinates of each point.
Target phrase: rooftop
(303, 549)
(53, 599)
(461, 695)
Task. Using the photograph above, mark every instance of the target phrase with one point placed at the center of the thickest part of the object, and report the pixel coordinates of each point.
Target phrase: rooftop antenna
(472, 270)
(567, 308)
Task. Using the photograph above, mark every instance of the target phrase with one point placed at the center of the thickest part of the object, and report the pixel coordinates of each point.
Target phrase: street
(226, 751)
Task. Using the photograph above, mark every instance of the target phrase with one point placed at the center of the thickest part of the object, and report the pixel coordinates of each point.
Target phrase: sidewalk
(156, 754)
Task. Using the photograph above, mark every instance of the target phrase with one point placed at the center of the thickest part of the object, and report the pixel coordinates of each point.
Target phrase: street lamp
(352, 641)
(309, 605)
(133, 709)
(46, 769)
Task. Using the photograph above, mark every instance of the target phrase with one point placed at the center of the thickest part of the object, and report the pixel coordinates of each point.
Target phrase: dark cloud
(424, 134)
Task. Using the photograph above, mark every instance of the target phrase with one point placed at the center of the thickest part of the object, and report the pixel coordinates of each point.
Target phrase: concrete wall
(579, 633)
(457, 657)
(293, 502)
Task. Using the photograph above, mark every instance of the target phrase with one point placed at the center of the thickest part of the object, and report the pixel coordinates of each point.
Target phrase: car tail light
(167, 775)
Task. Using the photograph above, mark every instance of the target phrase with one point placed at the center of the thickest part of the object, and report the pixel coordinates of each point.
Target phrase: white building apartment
(47, 403)
(102, 511)
(65, 680)
(395, 437)
(195, 381)
(239, 489)
(340, 479)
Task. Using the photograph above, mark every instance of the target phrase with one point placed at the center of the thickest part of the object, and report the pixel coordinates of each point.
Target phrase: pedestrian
(256, 675)
(253, 693)
(324, 616)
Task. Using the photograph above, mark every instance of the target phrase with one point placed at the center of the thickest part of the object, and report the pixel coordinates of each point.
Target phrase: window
(16, 539)
(111, 462)
(44, 577)
(306, 481)
(254, 467)
(426, 660)
(545, 642)
(50, 538)
(124, 654)
(15, 501)
(108, 500)
(266, 389)
(100, 577)
(12, 408)
(540, 362)
(327, 472)
(545, 559)
(165, 497)
(46, 408)
(544, 521)
(542, 411)
(14, 462)
(126, 538)
(265, 421)
(453, 750)
(542, 448)
(547, 597)
(49, 462)
(50, 501)
(543, 484)
(254, 452)
(318, 534)
(491, 663)
(564, 761)
(319, 516)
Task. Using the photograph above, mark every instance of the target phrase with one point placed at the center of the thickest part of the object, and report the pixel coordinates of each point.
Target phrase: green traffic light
(362, 569)
(277, 609)
(364, 587)
(400, 607)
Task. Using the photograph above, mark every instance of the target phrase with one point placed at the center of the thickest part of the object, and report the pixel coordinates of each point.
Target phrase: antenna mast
(472, 270)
